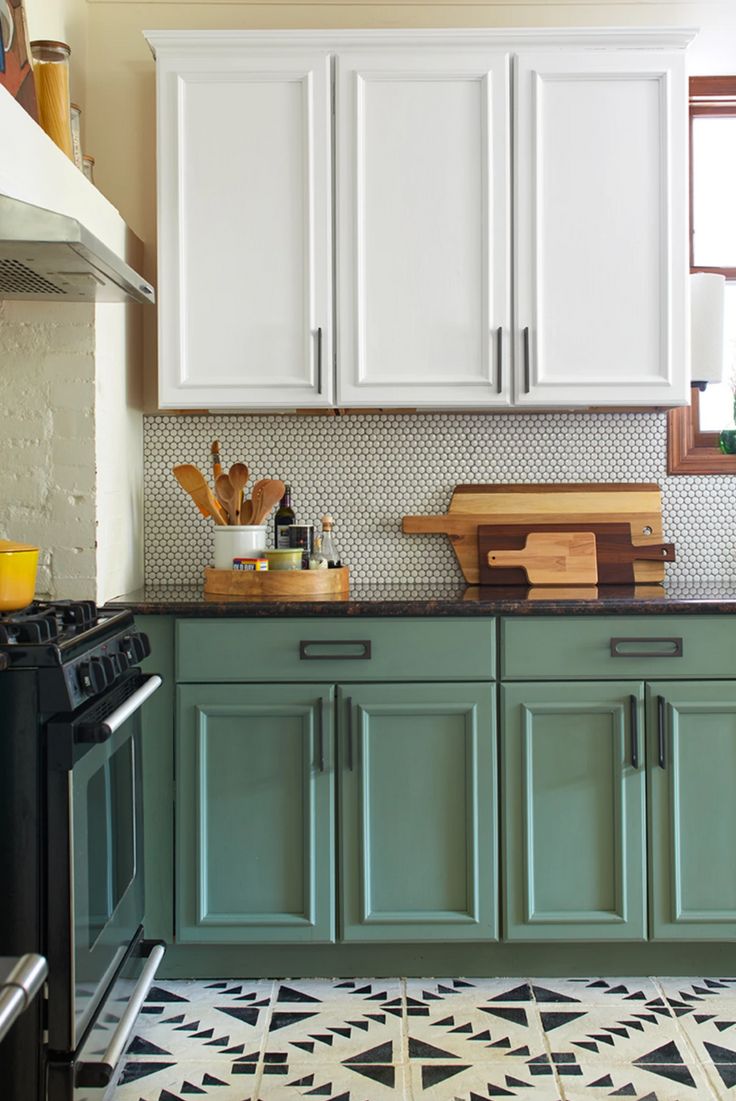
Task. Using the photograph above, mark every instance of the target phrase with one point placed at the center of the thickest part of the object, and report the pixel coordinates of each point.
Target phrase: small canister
(76, 121)
(302, 535)
(88, 167)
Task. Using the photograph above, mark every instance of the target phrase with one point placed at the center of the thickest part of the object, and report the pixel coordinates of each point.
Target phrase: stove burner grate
(46, 621)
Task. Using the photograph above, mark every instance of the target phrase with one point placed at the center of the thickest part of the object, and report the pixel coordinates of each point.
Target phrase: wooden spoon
(192, 481)
(228, 496)
(266, 493)
(239, 475)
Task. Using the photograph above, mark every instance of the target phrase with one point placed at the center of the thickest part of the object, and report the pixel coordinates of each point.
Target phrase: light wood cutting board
(638, 505)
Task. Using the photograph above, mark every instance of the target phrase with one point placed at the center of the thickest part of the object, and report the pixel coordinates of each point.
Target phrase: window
(694, 431)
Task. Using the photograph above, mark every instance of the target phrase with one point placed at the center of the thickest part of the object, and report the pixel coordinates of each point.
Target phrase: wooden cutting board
(637, 505)
(615, 554)
(543, 558)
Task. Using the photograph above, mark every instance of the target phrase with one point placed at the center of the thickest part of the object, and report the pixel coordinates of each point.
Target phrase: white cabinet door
(423, 227)
(600, 234)
(244, 221)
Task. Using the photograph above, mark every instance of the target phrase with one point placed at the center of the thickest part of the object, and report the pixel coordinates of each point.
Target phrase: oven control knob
(136, 647)
(121, 662)
(108, 666)
(91, 676)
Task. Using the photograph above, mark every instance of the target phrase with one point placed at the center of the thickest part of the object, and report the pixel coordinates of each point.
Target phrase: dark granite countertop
(453, 600)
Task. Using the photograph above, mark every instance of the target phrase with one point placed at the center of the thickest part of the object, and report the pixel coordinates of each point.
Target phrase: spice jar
(88, 167)
(51, 76)
(76, 123)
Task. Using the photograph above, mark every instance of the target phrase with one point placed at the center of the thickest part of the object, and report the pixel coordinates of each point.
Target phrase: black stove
(71, 841)
(79, 650)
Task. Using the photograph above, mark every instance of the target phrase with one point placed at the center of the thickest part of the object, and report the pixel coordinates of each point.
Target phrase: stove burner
(46, 621)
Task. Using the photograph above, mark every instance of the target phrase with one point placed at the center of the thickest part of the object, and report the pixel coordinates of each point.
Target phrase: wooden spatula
(192, 480)
(553, 558)
(265, 495)
(228, 496)
(239, 475)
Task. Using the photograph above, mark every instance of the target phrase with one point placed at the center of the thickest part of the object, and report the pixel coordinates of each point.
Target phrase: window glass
(714, 188)
(717, 401)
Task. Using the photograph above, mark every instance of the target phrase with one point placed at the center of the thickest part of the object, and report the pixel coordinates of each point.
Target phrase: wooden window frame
(689, 449)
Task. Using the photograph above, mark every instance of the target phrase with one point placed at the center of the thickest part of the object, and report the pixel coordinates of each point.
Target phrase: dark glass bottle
(284, 517)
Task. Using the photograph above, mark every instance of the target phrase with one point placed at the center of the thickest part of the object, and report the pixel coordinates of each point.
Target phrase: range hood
(52, 257)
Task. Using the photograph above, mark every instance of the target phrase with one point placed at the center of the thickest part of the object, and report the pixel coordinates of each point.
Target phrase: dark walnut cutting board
(638, 506)
(504, 556)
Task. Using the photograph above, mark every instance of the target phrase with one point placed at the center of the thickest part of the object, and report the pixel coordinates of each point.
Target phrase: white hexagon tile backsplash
(370, 470)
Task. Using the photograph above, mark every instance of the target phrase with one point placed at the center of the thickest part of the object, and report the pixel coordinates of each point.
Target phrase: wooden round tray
(277, 584)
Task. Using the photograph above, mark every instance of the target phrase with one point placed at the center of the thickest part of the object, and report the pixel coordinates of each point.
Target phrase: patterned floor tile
(195, 1020)
(711, 1032)
(465, 1082)
(159, 1080)
(595, 991)
(349, 1081)
(295, 991)
(333, 1032)
(658, 1082)
(493, 1034)
(683, 993)
(614, 1033)
(423, 994)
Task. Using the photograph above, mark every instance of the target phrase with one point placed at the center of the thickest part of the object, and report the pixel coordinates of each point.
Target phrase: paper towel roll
(707, 326)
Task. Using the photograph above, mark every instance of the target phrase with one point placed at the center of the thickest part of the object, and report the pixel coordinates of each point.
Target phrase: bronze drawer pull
(364, 654)
(675, 651)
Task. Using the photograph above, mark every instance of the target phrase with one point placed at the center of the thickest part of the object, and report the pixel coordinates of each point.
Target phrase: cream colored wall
(120, 74)
(64, 21)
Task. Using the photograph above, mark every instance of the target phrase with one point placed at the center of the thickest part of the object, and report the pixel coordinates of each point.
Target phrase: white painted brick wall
(47, 440)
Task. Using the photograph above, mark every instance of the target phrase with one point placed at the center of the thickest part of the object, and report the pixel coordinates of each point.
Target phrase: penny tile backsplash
(370, 470)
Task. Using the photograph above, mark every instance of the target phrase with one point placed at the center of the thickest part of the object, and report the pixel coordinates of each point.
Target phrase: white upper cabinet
(600, 229)
(423, 163)
(244, 228)
(487, 253)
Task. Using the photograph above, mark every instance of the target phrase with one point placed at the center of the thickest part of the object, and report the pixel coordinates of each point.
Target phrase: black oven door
(95, 905)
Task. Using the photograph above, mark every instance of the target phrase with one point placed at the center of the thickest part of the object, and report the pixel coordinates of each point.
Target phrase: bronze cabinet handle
(667, 648)
(363, 643)
(349, 706)
(634, 715)
(661, 732)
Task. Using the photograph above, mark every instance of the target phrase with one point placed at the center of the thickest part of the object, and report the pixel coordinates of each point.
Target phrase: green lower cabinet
(573, 795)
(692, 809)
(255, 814)
(417, 782)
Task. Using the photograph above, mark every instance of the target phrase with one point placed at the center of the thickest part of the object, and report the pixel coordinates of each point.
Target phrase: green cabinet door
(255, 814)
(417, 782)
(692, 809)
(573, 791)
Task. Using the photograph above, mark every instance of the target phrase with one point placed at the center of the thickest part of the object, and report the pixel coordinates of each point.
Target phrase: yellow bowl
(18, 564)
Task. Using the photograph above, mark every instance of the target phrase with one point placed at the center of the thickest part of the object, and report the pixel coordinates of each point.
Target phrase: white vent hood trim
(34, 170)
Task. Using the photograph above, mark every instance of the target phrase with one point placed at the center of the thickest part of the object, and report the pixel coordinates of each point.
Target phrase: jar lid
(50, 43)
(75, 107)
(86, 157)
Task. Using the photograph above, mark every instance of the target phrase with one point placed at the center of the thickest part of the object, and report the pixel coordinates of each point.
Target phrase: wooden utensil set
(227, 505)
(554, 534)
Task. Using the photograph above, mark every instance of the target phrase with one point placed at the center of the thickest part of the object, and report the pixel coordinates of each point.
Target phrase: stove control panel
(95, 671)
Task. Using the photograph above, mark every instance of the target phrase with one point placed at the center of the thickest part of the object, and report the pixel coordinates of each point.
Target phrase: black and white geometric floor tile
(434, 1039)
(198, 1020)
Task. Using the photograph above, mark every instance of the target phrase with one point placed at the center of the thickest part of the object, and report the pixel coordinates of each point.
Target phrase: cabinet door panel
(244, 230)
(423, 239)
(417, 775)
(254, 814)
(692, 810)
(573, 806)
(601, 228)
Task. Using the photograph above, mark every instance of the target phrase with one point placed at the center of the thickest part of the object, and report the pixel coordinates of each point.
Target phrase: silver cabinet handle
(499, 360)
(660, 647)
(525, 338)
(99, 1074)
(20, 988)
(319, 360)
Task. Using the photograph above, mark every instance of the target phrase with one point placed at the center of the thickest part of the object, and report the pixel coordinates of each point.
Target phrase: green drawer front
(334, 650)
(574, 647)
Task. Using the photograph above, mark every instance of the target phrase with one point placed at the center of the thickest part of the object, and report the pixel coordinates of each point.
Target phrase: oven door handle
(103, 731)
(100, 1073)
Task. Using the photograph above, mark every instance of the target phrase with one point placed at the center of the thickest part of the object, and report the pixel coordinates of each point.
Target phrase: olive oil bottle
(283, 519)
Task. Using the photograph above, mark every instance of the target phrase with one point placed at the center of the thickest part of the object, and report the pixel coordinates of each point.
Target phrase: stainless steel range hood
(54, 258)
